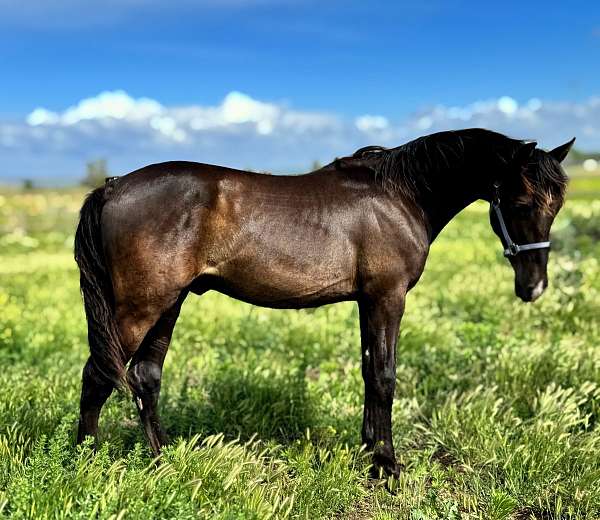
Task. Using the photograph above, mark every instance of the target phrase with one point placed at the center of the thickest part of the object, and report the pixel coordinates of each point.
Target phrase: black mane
(409, 168)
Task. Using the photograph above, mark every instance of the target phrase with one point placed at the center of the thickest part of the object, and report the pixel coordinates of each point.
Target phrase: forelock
(545, 181)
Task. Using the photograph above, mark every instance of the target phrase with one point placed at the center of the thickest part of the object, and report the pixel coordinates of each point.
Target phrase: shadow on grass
(240, 403)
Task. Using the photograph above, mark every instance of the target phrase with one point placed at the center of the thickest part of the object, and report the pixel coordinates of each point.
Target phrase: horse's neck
(448, 198)
(462, 178)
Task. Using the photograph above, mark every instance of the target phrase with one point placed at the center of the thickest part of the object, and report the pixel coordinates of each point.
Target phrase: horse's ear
(523, 154)
(561, 152)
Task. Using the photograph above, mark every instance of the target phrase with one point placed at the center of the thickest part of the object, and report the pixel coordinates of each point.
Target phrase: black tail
(96, 287)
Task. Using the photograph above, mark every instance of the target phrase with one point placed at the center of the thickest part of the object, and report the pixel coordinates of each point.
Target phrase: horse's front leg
(379, 322)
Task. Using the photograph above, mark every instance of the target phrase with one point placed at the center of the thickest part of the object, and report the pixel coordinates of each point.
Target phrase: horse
(358, 229)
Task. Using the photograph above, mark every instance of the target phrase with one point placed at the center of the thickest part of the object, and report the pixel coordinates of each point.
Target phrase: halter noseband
(512, 249)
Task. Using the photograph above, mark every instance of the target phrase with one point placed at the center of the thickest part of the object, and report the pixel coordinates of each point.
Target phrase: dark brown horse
(358, 229)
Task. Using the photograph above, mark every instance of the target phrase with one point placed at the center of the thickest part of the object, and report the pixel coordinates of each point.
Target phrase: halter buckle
(496, 194)
(512, 250)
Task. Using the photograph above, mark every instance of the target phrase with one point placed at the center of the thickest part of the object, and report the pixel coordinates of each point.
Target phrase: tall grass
(496, 412)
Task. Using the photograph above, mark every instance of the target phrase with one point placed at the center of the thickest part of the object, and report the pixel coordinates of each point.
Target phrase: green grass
(496, 411)
(583, 185)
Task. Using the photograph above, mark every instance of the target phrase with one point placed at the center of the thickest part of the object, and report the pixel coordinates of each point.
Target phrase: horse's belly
(284, 282)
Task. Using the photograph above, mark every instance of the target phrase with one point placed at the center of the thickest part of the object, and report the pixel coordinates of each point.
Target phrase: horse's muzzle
(531, 292)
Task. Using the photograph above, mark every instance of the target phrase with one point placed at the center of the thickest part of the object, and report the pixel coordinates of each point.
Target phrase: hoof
(384, 467)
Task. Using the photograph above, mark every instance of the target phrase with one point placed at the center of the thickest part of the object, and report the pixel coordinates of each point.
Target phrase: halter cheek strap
(512, 249)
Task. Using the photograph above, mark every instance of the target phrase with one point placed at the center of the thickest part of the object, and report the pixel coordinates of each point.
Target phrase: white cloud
(237, 112)
(240, 108)
(507, 105)
(368, 123)
(117, 104)
(168, 126)
(549, 122)
(534, 104)
(41, 116)
(245, 132)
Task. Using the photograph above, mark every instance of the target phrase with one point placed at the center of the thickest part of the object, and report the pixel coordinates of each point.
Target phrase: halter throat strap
(512, 249)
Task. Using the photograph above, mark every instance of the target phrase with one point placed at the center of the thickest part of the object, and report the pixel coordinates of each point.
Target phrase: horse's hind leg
(96, 387)
(95, 390)
(145, 371)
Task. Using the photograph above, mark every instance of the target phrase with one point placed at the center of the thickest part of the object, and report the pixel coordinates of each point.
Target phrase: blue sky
(340, 59)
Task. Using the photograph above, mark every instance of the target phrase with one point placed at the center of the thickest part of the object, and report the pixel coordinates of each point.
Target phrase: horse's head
(524, 205)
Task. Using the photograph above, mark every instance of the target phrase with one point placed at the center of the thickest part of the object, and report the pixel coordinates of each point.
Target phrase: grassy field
(496, 411)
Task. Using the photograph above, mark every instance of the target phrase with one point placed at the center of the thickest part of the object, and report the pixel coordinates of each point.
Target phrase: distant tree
(316, 165)
(27, 185)
(95, 173)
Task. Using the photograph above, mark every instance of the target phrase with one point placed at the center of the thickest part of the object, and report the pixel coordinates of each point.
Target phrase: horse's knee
(144, 378)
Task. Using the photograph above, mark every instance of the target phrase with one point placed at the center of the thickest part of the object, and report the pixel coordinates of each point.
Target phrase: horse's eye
(521, 210)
